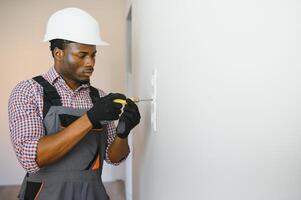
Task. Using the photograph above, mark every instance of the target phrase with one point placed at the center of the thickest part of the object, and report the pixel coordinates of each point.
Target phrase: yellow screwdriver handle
(121, 101)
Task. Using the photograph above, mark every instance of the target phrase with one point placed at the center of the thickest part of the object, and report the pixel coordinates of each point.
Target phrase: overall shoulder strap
(94, 94)
(50, 97)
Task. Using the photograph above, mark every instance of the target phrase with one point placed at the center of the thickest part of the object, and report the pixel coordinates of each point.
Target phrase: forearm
(118, 149)
(53, 147)
(130, 117)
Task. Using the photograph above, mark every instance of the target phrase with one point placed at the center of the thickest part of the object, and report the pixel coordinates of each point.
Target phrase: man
(61, 127)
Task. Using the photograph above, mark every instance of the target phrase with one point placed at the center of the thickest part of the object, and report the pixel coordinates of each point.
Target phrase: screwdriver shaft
(138, 100)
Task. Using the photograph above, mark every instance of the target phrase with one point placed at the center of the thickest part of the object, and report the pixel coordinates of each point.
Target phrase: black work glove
(128, 120)
(105, 109)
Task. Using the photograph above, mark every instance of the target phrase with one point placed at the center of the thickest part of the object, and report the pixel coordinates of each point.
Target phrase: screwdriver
(135, 99)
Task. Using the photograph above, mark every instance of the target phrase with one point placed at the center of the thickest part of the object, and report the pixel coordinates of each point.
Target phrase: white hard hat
(75, 25)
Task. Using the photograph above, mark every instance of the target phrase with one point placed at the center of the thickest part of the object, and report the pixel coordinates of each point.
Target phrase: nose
(89, 61)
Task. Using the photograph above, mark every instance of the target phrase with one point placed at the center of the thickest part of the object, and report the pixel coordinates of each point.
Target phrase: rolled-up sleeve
(25, 124)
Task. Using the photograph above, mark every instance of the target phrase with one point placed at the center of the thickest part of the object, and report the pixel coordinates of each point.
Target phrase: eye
(81, 55)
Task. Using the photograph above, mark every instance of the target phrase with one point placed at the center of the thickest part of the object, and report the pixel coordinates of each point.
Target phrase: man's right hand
(105, 109)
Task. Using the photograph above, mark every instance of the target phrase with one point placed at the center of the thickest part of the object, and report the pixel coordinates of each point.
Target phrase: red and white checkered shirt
(25, 112)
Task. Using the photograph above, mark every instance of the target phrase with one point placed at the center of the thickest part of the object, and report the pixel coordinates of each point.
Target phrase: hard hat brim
(97, 43)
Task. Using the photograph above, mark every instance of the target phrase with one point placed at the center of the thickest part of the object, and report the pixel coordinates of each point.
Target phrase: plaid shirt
(25, 112)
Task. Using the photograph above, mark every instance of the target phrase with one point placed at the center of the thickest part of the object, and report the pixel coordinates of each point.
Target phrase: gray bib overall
(76, 176)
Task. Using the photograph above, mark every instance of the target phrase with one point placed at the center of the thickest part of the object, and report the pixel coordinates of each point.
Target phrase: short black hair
(59, 43)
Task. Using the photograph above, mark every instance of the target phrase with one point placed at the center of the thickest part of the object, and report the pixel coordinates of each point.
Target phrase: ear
(58, 54)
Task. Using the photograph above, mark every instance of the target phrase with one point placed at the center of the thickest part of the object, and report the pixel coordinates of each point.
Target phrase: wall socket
(154, 102)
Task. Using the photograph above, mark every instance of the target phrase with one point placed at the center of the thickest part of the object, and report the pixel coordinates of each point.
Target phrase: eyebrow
(86, 52)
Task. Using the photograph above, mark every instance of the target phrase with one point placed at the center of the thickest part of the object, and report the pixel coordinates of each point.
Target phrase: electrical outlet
(154, 102)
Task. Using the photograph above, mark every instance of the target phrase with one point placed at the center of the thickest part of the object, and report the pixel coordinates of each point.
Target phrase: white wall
(228, 93)
(23, 55)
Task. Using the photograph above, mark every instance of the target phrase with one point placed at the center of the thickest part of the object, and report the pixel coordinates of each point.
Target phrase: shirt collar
(52, 76)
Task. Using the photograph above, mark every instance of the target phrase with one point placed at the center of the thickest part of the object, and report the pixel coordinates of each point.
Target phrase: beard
(84, 81)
